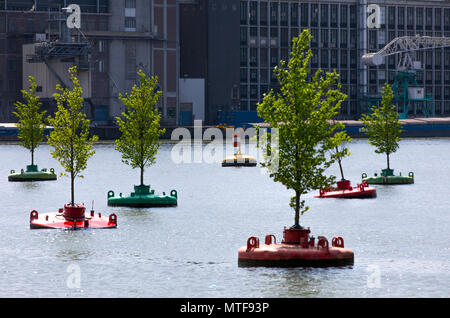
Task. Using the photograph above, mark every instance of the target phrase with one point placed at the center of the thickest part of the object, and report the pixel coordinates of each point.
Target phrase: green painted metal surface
(388, 177)
(32, 173)
(143, 197)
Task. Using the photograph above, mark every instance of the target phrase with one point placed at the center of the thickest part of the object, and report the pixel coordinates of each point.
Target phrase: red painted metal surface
(71, 218)
(297, 249)
(345, 190)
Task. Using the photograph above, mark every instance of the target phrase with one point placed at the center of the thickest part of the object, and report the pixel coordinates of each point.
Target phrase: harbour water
(400, 239)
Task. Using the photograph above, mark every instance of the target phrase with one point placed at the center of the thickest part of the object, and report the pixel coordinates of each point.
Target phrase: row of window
(333, 15)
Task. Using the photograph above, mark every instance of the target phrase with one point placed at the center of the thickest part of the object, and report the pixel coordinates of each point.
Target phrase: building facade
(125, 35)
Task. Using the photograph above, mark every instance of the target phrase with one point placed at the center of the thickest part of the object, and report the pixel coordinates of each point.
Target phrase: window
(130, 24)
(253, 13)
(401, 17)
(437, 19)
(130, 4)
(343, 41)
(294, 14)
(244, 76)
(243, 11)
(419, 18)
(344, 15)
(243, 35)
(410, 18)
(273, 13)
(284, 11)
(333, 15)
(353, 16)
(253, 57)
(324, 15)
(243, 56)
(314, 14)
(101, 46)
(304, 15)
(274, 57)
(324, 37)
(344, 57)
(428, 18)
(263, 13)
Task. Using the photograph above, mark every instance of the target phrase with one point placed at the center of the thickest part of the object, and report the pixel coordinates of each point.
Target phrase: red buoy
(297, 249)
(346, 191)
(71, 218)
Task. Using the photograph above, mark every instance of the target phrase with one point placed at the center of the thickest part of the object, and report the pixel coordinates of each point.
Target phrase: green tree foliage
(303, 113)
(31, 122)
(70, 136)
(140, 126)
(341, 151)
(383, 125)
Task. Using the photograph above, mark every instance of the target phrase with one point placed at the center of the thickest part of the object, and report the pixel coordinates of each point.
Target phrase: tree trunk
(388, 161)
(72, 186)
(32, 157)
(342, 171)
(297, 209)
(142, 175)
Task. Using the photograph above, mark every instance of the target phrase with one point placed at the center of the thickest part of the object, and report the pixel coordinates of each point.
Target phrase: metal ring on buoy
(113, 219)
(269, 237)
(52, 170)
(337, 241)
(364, 175)
(110, 193)
(252, 242)
(174, 193)
(12, 172)
(361, 187)
(34, 215)
(366, 184)
(323, 242)
(411, 174)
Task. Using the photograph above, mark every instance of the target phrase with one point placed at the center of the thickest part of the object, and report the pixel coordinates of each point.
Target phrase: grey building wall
(223, 56)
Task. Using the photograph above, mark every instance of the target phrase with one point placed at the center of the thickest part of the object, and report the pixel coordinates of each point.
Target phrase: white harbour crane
(406, 89)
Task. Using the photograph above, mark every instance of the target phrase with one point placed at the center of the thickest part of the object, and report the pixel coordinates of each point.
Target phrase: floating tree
(139, 141)
(302, 134)
(31, 121)
(303, 113)
(72, 145)
(383, 127)
(31, 133)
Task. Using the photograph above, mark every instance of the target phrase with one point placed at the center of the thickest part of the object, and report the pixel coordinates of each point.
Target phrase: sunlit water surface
(400, 239)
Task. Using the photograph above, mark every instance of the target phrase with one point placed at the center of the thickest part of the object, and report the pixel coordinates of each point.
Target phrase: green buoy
(143, 197)
(32, 174)
(387, 177)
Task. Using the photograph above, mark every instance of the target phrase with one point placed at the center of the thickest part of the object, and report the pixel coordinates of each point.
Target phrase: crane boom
(404, 45)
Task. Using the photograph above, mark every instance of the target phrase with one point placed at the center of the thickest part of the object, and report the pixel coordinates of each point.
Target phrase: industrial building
(239, 69)
(219, 55)
(118, 39)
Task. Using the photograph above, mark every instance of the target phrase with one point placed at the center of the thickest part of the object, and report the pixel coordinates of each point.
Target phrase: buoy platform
(387, 177)
(32, 174)
(346, 191)
(72, 218)
(143, 197)
(297, 249)
(238, 159)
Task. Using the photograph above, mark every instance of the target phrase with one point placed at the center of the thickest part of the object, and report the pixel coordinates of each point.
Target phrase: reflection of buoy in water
(238, 159)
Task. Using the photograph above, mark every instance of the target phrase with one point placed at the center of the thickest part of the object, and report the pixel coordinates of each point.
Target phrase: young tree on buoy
(31, 121)
(140, 125)
(70, 136)
(383, 125)
(341, 151)
(303, 113)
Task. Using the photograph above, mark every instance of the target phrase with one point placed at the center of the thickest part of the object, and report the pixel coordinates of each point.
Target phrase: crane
(405, 87)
